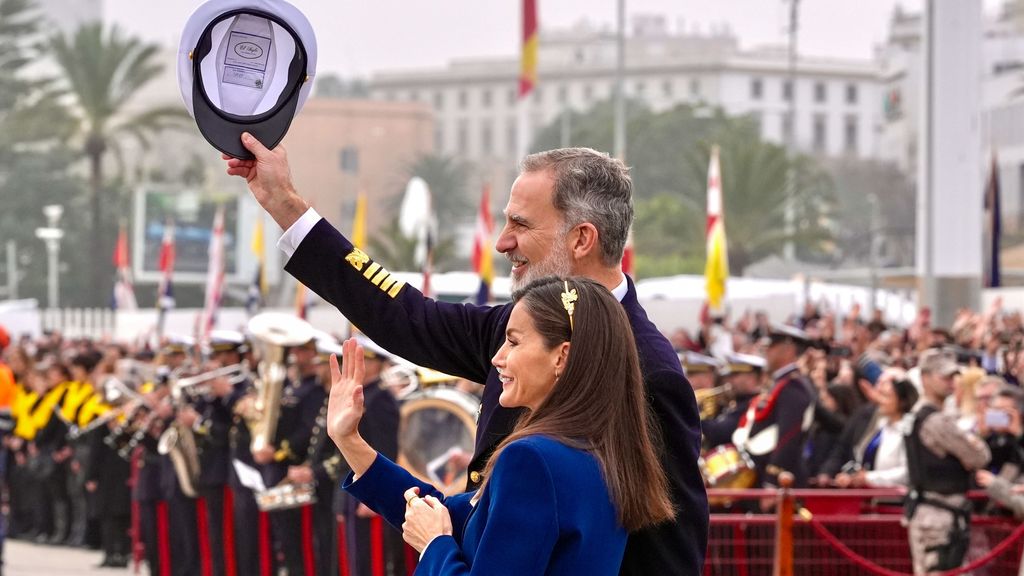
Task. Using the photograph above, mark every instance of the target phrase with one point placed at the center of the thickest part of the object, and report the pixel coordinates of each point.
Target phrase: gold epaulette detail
(374, 272)
(284, 453)
(357, 258)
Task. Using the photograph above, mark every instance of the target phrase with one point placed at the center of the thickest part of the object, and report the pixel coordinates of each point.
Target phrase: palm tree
(446, 177)
(103, 70)
(756, 186)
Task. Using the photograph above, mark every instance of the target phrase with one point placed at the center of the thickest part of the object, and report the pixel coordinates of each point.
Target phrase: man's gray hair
(593, 187)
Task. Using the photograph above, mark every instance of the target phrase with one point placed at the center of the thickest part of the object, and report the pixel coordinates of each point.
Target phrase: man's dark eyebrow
(522, 221)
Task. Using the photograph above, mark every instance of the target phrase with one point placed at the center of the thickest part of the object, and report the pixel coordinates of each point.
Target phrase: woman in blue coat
(562, 491)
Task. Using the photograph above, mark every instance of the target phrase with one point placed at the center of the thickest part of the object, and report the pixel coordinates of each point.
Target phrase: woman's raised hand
(345, 407)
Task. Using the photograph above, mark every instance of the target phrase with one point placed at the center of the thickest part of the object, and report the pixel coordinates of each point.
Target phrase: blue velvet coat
(545, 511)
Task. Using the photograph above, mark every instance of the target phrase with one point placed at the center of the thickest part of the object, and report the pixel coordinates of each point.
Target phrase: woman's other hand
(425, 519)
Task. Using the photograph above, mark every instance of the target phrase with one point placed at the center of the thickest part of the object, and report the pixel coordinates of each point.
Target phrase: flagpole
(620, 74)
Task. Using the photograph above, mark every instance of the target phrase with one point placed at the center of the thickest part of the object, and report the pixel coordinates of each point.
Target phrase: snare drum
(437, 435)
(726, 467)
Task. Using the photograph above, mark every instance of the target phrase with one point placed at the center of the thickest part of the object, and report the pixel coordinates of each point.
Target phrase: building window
(563, 94)
(486, 138)
(439, 100)
(588, 92)
(485, 98)
(820, 94)
(438, 139)
(462, 137)
(851, 93)
(756, 88)
(787, 90)
(389, 96)
(820, 135)
(850, 134)
(666, 88)
(639, 88)
(463, 99)
(695, 87)
(538, 96)
(513, 93)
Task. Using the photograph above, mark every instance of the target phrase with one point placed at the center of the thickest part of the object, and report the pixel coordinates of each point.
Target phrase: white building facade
(837, 101)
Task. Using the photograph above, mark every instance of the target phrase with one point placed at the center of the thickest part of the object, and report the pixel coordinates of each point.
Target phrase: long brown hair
(598, 403)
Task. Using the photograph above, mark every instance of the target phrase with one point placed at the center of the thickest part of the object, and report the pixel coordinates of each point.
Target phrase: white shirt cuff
(297, 232)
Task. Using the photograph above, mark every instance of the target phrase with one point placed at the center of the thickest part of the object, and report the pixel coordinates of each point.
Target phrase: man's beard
(557, 263)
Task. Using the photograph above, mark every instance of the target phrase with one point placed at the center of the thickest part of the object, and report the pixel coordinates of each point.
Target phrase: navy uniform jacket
(461, 339)
(789, 406)
(300, 405)
(213, 442)
(718, 431)
(546, 511)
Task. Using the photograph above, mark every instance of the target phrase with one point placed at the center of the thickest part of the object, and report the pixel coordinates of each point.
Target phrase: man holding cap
(568, 213)
(940, 460)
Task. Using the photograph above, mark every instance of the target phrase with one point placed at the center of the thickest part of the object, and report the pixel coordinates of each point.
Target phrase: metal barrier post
(783, 564)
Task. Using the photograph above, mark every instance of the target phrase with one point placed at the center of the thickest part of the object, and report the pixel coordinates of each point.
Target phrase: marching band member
(774, 429)
(744, 374)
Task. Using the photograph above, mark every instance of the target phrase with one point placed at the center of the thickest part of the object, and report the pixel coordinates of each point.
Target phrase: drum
(726, 467)
(285, 497)
(437, 436)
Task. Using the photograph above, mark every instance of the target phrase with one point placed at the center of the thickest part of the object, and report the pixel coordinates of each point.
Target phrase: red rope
(203, 525)
(264, 537)
(307, 540)
(163, 538)
(230, 568)
(883, 571)
(343, 568)
(377, 546)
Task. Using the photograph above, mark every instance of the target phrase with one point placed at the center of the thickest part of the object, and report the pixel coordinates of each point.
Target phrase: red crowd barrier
(839, 533)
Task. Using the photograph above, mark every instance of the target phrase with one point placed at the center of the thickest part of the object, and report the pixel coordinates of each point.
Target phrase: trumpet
(199, 385)
(709, 400)
(117, 393)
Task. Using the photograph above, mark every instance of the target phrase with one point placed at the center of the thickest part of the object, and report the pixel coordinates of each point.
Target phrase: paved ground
(24, 559)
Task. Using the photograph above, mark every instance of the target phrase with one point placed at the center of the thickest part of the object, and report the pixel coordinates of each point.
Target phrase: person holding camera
(1000, 426)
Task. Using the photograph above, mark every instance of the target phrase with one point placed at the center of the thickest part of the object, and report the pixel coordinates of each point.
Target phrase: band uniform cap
(227, 341)
(327, 345)
(938, 362)
(245, 66)
(695, 363)
(742, 363)
(178, 344)
(780, 332)
(371, 350)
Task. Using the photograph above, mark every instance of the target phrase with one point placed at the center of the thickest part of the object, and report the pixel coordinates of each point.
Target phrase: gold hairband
(569, 298)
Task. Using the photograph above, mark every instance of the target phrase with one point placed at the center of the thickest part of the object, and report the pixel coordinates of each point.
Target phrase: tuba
(272, 334)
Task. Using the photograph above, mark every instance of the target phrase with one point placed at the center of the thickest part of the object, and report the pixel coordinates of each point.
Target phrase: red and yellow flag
(716, 268)
(483, 263)
(528, 65)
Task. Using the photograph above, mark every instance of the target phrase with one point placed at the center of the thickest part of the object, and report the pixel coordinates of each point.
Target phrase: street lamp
(52, 235)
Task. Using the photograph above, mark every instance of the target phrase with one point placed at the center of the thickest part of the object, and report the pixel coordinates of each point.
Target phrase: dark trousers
(213, 502)
(325, 527)
(183, 534)
(148, 535)
(247, 521)
(116, 543)
(287, 529)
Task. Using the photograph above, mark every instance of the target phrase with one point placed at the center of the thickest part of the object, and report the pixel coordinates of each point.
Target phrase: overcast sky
(359, 37)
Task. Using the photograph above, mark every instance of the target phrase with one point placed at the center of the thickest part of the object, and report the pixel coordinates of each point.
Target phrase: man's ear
(586, 241)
